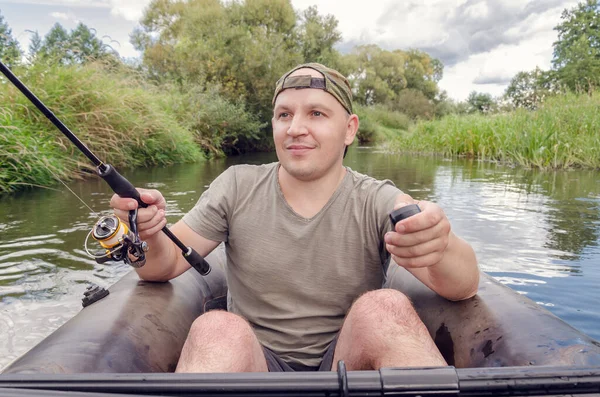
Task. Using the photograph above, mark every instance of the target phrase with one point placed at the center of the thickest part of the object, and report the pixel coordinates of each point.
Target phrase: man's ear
(351, 129)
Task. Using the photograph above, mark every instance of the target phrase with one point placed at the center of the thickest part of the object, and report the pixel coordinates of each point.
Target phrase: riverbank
(122, 120)
(563, 133)
(129, 122)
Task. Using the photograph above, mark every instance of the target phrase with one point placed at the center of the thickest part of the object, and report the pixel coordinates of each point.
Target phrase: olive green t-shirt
(291, 277)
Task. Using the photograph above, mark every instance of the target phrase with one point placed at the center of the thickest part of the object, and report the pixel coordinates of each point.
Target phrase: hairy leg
(219, 341)
(382, 329)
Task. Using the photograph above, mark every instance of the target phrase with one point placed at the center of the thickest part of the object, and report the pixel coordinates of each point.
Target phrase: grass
(120, 118)
(563, 133)
(379, 124)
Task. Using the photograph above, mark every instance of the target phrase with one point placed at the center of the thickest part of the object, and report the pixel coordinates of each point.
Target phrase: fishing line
(49, 168)
(96, 214)
(119, 184)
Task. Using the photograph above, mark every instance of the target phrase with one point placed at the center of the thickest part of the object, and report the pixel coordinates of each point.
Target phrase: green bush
(379, 123)
(414, 104)
(219, 126)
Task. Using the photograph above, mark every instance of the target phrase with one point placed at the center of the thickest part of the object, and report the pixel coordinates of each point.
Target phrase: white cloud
(64, 16)
(59, 15)
(62, 3)
(131, 10)
(492, 71)
(477, 10)
(497, 67)
(483, 43)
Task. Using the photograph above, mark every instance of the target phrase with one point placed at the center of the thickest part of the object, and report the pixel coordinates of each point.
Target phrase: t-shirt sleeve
(211, 215)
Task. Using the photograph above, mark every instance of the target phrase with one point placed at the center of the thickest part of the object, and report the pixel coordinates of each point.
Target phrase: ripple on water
(9, 225)
(20, 332)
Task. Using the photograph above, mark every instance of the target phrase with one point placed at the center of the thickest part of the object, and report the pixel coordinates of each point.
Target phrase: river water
(537, 232)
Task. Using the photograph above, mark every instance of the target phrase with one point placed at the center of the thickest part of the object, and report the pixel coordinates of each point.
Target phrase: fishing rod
(111, 232)
(406, 382)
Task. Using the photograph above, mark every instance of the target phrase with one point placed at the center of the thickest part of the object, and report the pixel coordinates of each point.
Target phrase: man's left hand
(421, 240)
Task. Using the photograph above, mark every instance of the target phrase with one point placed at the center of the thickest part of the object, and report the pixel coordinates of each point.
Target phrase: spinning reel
(120, 242)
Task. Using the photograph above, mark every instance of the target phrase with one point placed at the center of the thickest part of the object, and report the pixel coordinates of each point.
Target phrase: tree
(529, 89)
(35, 45)
(10, 52)
(56, 45)
(317, 37)
(79, 46)
(414, 104)
(577, 51)
(379, 76)
(480, 102)
(423, 72)
(240, 47)
(85, 46)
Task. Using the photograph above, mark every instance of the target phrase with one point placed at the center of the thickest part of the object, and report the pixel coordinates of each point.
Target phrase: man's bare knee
(383, 329)
(219, 325)
(376, 309)
(219, 341)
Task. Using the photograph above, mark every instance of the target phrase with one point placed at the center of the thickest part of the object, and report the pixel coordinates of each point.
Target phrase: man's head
(327, 79)
(313, 121)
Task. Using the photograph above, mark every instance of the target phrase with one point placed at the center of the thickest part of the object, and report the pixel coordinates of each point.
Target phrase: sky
(482, 43)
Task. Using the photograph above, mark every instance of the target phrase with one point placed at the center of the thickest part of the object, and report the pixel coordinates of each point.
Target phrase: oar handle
(403, 213)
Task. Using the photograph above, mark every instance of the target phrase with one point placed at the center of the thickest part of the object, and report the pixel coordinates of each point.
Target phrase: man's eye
(317, 113)
(283, 115)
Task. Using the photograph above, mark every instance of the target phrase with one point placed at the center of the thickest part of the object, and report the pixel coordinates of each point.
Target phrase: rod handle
(197, 261)
(119, 184)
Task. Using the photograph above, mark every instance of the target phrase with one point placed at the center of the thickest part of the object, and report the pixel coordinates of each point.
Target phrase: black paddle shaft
(118, 183)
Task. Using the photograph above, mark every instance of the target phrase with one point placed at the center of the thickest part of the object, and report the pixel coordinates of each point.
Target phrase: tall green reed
(118, 116)
(563, 133)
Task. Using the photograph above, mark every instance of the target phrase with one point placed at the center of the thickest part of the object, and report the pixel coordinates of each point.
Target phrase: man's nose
(297, 127)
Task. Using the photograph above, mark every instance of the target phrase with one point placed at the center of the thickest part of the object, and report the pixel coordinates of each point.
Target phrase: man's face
(311, 130)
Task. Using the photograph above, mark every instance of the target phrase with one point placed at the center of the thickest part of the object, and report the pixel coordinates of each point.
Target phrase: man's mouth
(299, 149)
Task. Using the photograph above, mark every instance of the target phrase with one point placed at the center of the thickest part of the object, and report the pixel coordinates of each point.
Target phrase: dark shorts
(276, 364)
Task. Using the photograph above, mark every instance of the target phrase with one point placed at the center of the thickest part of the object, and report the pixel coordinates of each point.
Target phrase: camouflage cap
(332, 82)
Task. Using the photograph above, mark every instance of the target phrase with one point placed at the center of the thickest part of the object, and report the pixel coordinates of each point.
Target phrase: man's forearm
(456, 276)
(161, 259)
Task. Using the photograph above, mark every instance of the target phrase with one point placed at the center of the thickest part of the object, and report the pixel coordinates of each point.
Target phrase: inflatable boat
(140, 327)
(496, 343)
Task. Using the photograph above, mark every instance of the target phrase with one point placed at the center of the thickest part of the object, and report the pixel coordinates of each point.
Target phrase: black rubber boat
(140, 327)
(498, 343)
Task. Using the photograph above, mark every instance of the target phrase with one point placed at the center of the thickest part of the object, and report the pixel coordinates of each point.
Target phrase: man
(308, 241)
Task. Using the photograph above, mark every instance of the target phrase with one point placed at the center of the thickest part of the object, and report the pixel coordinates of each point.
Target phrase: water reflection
(533, 231)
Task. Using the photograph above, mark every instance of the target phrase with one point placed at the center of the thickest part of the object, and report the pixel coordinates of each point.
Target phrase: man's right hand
(151, 219)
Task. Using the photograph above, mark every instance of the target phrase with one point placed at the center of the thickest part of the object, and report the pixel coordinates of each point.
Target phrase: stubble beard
(302, 172)
(308, 171)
